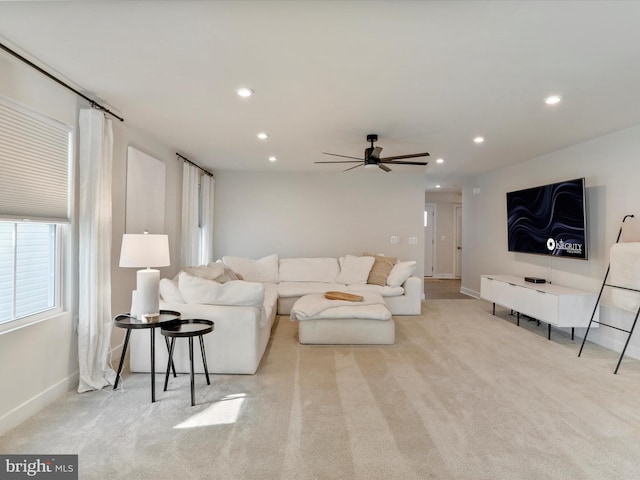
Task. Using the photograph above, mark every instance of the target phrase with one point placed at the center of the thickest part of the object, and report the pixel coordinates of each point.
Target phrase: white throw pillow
(169, 291)
(263, 270)
(354, 270)
(400, 272)
(209, 292)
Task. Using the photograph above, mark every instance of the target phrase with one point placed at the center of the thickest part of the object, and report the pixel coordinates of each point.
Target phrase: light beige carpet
(462, 395)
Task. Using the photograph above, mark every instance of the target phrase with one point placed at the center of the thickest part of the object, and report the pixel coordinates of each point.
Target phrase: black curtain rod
(207, 172)
(93, 103)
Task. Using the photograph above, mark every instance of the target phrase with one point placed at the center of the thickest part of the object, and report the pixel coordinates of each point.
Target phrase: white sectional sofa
(244, 310)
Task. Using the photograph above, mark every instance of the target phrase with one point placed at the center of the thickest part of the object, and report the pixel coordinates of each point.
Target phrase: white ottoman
(344, 323)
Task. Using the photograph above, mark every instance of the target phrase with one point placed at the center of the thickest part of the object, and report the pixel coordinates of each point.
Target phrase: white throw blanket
(624, 271)
(316, 307)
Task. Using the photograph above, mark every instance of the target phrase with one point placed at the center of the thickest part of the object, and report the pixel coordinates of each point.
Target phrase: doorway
(429, 238)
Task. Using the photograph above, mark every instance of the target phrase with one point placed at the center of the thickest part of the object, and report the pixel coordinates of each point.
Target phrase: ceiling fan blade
(384, 167)
(343, 161)
(375, 153)
(411, 155)
(403, 163)
(351, 168)
(343, 156)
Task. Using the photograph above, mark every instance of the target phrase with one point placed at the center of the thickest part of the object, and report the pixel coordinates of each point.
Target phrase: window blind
(35, 162)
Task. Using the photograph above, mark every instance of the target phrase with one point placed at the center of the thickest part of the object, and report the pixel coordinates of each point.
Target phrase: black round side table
(188, 328)
(128, 321)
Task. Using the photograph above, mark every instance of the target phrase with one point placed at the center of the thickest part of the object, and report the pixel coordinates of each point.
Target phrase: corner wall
(611, 170)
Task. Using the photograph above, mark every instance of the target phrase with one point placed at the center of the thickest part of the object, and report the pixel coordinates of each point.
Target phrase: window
(28, 265)
(35, 161)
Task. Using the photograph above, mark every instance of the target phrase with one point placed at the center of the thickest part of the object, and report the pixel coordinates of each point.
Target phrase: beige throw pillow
(381, 268)
(208, 272)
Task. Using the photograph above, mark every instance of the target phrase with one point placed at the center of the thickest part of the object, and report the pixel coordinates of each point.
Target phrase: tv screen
(548, 220)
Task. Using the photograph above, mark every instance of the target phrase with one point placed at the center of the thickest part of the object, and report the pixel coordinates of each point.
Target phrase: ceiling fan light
(370, 166)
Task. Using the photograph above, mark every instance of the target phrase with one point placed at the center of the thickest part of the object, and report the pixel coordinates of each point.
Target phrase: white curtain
(95, 323)
(190, 231)
(207, 184)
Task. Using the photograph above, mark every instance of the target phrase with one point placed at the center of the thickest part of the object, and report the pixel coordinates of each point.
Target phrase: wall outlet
(413, 240)
(395, 239)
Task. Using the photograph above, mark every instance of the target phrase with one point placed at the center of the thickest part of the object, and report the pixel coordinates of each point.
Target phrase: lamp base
(147, 293)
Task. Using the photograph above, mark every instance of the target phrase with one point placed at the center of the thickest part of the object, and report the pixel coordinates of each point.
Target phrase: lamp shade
(144, 250)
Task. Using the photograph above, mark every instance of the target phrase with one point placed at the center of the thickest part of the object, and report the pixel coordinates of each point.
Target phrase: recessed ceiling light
(437, 186)
(478, 139)
(245, 92)
(263, 136)
(272, 159)
(553, 99)
(440, 160)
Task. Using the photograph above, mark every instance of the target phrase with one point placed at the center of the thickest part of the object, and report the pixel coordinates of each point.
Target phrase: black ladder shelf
(595, 309)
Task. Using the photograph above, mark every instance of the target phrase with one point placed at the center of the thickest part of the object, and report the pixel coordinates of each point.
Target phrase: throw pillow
(169, 291)
(381, 268)
(227, 276)
(264, 270)
(209, 292)
(400, 272)
(210, 271)
(354, 270)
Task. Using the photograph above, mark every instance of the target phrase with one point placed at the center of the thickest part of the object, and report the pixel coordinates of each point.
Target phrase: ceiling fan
(372, 157)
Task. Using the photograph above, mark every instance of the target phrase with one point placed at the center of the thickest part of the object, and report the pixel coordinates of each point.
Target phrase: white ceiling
(424, 76)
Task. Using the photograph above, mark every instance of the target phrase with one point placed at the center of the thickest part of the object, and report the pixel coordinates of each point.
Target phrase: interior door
(429, 239)
(458, 236)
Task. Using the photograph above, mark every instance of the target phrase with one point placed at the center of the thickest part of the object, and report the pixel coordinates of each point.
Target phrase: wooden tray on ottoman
(349, 297)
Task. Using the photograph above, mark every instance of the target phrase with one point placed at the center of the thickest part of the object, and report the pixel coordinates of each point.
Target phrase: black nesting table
(129, 322)
(187, 328)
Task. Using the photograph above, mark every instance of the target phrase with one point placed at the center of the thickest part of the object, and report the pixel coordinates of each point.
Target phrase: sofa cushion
(209, 292)
(309, 270)
(264, 270)
(400, 272)
(354, 270)
(298, 289)
(169, 291)
(381, 268)
(385, 291)
(270, 301)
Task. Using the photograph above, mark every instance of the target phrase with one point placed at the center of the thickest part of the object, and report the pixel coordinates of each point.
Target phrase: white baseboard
(471, 293)
(447, 276)
(32, 406)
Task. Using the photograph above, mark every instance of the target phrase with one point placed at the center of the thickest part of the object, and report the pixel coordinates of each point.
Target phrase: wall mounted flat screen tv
(549, 220)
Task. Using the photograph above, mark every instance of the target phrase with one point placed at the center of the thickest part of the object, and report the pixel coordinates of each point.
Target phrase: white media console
(549, 303)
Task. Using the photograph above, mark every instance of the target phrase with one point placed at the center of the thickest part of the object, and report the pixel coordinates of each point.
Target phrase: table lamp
(145, 250)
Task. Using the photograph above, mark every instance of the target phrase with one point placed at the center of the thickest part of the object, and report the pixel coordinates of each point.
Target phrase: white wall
(319, 214)
(611, 170)
(445, 241)
(40, 361)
